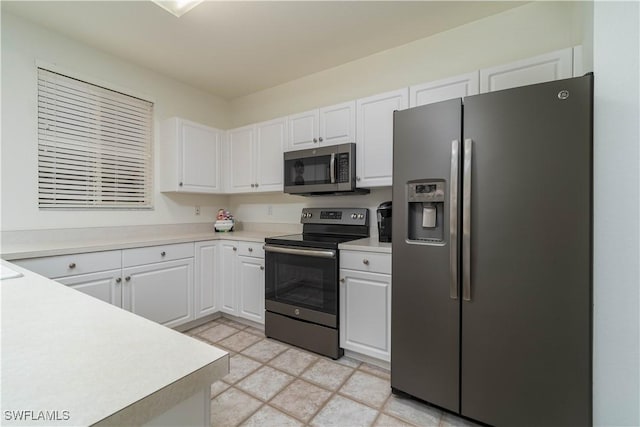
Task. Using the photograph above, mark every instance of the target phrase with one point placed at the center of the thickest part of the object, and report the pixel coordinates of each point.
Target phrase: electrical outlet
(269, 210)
(197, 210)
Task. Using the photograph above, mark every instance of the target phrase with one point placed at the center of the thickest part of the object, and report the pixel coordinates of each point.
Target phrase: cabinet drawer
(151, 254)
(366, 261)
(71, 265)
(253, 249)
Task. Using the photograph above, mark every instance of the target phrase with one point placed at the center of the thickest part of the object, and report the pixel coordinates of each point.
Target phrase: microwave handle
(332, 168)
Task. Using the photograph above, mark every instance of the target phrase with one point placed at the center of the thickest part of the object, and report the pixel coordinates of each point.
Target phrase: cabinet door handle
(358, 178)
(180, 184)
(256, 185)
(365, 261)
(320, 139)
(163, 253)
(262, 267)
(128, 278)
(72, 265)
(250, 249)
(315, 139)
(235, 249)
(253, 185)
(342, 280)
(118, 279)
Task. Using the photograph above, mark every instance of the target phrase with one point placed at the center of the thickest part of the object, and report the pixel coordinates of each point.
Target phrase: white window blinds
(94, 146)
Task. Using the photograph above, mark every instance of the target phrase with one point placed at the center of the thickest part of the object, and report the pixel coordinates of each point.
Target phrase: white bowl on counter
(223, 224)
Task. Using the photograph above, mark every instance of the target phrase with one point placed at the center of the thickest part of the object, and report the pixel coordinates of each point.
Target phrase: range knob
(360, 216)
(309, 214)
(354, 216)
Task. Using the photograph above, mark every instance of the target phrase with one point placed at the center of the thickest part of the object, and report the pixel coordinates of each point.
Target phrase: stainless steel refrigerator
(492, 250)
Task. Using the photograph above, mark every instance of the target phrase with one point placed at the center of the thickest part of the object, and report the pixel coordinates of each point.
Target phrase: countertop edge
(167, 397)
(370, 244)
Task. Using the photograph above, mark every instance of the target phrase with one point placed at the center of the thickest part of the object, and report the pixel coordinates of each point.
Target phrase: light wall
(616, 265)
(518, 33)
(22, 44)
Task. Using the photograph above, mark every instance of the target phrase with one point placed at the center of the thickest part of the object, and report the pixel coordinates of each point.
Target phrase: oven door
(302, 283)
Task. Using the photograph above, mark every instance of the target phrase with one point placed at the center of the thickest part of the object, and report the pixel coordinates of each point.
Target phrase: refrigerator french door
(491, 298)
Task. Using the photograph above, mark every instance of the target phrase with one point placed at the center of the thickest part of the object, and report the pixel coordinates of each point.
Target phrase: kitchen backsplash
(274, 208)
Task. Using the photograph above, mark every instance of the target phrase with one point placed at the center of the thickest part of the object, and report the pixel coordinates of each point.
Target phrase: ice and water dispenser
(426, 211)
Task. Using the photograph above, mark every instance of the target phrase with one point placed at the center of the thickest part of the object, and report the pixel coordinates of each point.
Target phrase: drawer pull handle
(119, 279)
(250, 249)
(128, 278)
(365, 261)
(342, 280)
(163, 253)
(262, 267)
(235, 249)
(72, 265)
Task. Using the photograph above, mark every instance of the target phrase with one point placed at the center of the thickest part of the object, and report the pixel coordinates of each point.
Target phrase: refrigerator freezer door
(425, 318)
(526, 333)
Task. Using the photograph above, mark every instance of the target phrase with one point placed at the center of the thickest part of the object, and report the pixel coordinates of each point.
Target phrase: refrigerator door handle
(466, 221)
(453, 220)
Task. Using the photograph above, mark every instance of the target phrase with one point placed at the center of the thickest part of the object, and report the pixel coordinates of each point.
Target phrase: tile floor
(274, 384)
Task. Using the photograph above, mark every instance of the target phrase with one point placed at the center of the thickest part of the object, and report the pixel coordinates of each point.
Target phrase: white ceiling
(233, 48)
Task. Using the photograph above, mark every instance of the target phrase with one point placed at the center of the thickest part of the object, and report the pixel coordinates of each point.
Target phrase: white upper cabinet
(190, 157)
(543, 68)
(338, 124)
(442, 90)
(271, 138)
(303, 130)
(240, 149)
(331, 125)
(374, 149)
(255, 157)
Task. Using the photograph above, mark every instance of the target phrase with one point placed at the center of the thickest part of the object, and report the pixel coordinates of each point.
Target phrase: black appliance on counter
(301, 278)
(384, 222)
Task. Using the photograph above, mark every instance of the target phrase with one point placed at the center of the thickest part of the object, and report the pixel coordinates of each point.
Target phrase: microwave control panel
(343, 167)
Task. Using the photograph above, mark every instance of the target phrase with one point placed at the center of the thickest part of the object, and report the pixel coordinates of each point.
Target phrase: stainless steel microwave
(322, 170)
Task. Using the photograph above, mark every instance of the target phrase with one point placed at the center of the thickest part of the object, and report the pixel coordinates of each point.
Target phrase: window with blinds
(94, 146)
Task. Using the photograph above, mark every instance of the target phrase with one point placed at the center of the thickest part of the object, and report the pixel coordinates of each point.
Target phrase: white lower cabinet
(105, 285)
(251, 288)
(365, 307)
(227, 277)
(241, 279)
(162, 292)
(206, 293)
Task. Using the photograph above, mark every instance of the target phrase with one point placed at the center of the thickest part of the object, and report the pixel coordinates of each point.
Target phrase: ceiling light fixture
(177, 7)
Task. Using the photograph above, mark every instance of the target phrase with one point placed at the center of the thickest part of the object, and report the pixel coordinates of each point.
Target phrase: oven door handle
(304, 252)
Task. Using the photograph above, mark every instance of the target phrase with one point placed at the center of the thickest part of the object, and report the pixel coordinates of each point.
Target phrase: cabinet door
(338, 124)
(241, 170)
(551, 66)
(251, 287)
(271, 138)
(206, 299)
(200, 158)
(365, 313)
(374, 150)
(105, 286)
(227, 277)
(441, 90)
(303, 130)
(162, 292)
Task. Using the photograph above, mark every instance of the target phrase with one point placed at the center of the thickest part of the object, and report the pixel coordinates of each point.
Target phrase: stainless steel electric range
(301, 278)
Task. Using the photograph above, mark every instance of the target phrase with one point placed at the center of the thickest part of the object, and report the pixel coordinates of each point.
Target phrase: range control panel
(338, 216)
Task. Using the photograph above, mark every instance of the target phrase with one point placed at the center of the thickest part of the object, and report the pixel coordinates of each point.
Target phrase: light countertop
(63, 350)
(34, 249)
(370, 244)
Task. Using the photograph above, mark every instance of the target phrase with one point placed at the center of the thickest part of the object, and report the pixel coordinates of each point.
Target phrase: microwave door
(310, 173)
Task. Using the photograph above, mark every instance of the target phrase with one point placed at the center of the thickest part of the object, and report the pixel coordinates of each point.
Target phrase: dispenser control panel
(426, 192)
